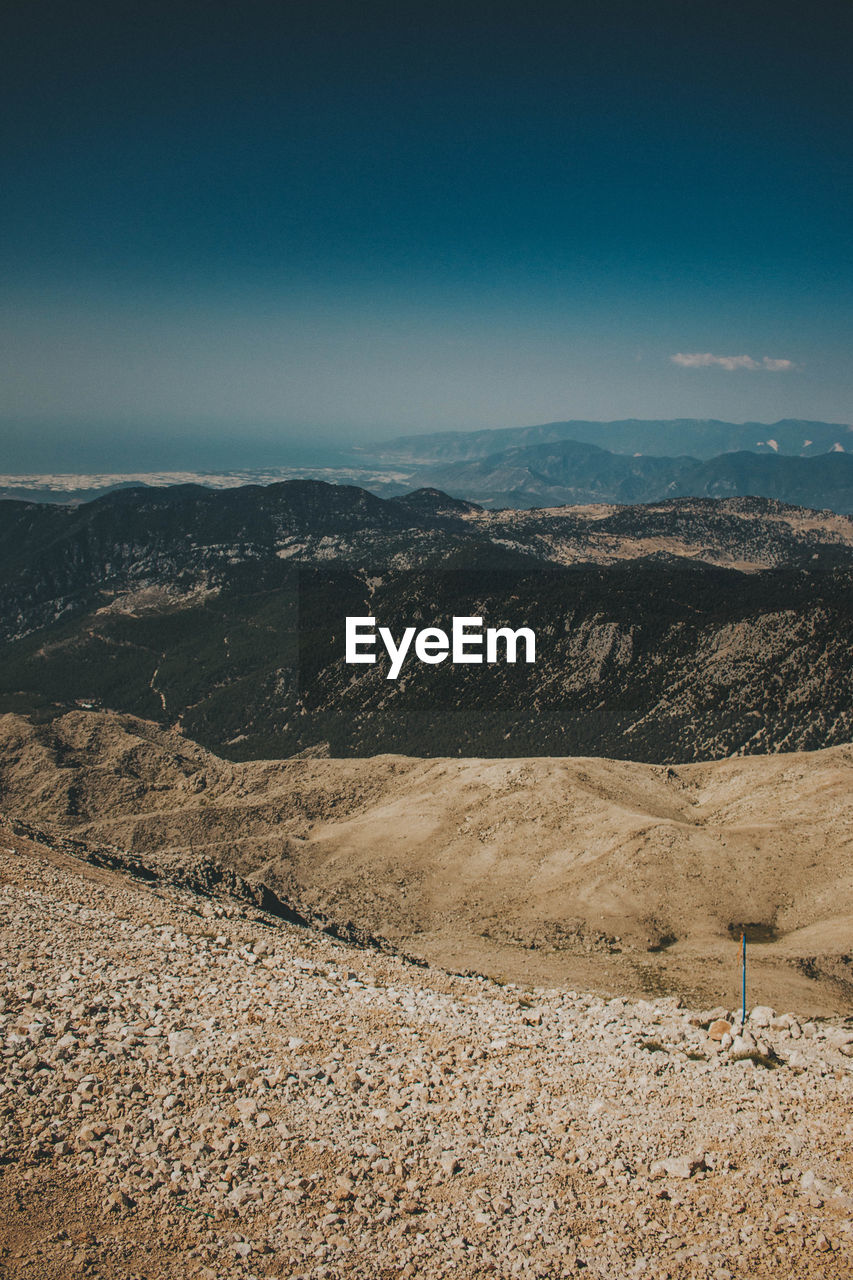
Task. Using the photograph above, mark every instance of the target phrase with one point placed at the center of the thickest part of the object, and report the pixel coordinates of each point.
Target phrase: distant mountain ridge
(553, 464)
(700, 438)
(562, 472)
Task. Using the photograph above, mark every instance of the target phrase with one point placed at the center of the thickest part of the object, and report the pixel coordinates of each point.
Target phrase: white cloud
(776, 366)
(705, 360)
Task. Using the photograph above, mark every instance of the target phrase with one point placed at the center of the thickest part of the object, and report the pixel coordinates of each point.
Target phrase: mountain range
(701, 438)
(684, 630)
(554, 464)
(567, 472)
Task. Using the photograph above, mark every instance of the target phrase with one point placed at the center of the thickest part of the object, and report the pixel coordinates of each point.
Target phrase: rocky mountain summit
(192, 1087)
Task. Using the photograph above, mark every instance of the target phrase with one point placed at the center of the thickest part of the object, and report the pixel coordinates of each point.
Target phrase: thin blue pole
(743, 989)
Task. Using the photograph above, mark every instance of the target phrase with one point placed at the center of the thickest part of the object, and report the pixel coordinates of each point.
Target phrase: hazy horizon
(103, 452)
(231, 237)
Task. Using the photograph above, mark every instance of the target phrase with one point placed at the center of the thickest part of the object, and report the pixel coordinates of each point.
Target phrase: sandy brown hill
(598, 873)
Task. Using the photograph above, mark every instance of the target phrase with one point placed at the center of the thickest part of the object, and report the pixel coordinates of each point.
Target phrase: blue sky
(231, 233)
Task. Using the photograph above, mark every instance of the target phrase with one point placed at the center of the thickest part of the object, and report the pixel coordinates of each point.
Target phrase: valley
(589, 873)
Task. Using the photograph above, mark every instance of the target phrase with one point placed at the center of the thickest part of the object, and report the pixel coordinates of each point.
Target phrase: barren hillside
(194, 1088)
(601, 874)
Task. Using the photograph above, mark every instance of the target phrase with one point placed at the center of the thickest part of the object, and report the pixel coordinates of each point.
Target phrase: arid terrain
(192, 1087)
(381, 1017)
(598, 874)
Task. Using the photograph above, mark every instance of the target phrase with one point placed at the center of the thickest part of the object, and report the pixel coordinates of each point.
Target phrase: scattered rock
(341, 1113)
(718, 1029)
(181, 1043)
(677, 1166)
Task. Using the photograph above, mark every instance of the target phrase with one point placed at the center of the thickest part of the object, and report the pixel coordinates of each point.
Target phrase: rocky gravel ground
(191, 1087)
